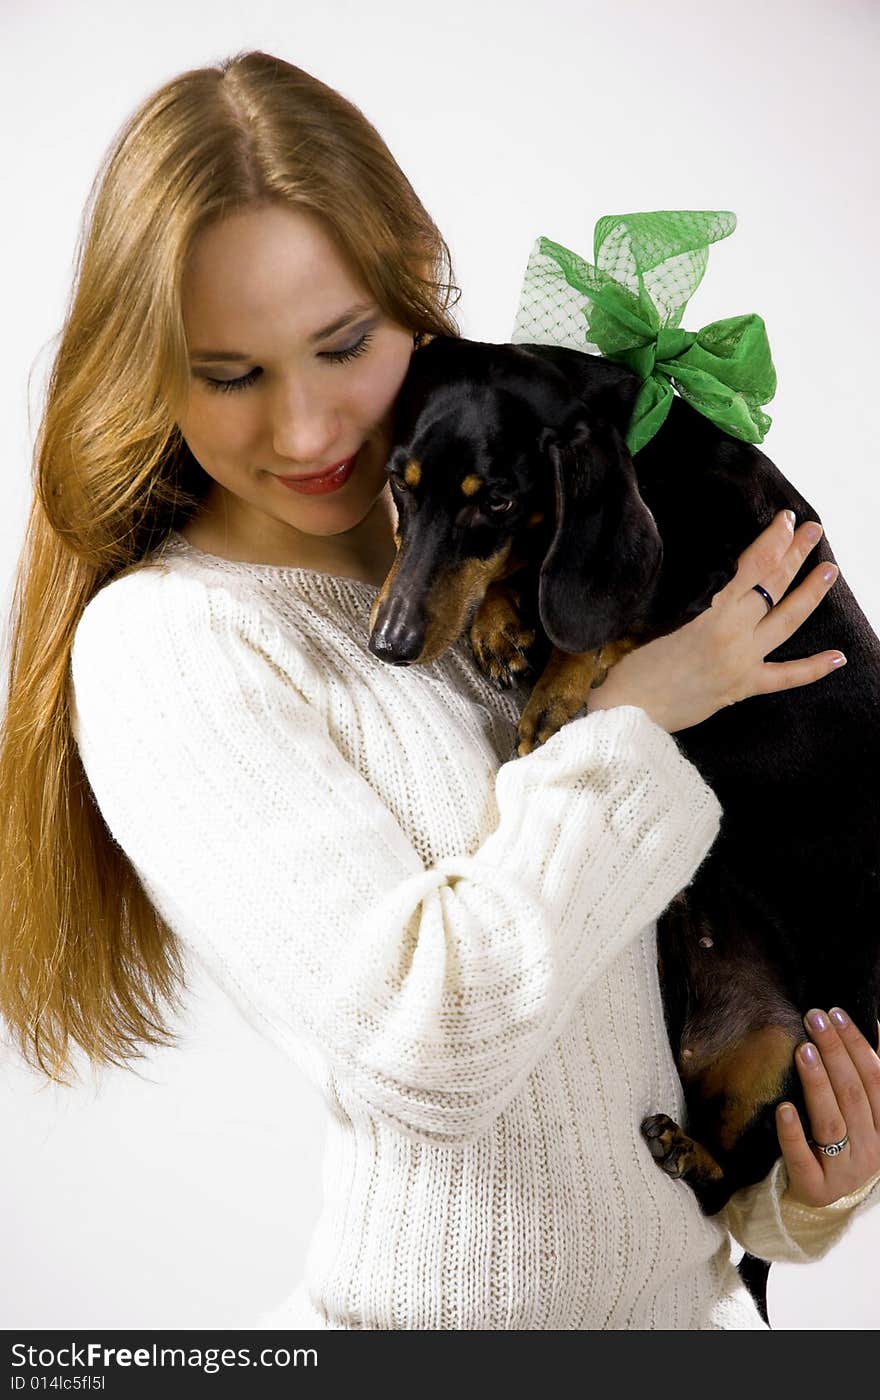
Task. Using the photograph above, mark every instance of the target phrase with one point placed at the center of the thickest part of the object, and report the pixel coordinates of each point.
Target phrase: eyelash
(335, 356)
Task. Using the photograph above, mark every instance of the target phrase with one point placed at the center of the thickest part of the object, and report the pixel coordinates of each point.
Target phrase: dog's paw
(667, 1144)
(559, 695)
(678, 1155)
(500, 643)
(540, 720)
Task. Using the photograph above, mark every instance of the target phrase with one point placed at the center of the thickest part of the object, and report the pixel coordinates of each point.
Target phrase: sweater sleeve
(766, 1221)
(430, 992)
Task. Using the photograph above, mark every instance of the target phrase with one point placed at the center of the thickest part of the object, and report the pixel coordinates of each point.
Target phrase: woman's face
(276, 391)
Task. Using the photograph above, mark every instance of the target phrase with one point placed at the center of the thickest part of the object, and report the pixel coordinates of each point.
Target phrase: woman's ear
(603, 561)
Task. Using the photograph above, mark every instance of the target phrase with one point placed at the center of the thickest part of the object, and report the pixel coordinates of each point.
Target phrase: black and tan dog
(524, 519)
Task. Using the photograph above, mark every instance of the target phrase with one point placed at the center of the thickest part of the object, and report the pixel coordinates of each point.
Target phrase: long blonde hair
(84, 957)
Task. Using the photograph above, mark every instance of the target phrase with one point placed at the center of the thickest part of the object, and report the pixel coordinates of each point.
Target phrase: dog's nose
(399, 632)
(400, 648)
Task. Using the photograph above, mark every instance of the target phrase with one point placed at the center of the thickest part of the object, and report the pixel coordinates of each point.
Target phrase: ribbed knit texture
(455, 945)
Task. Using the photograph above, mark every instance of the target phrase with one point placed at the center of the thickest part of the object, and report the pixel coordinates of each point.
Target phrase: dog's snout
(399, 635)
(402, 651)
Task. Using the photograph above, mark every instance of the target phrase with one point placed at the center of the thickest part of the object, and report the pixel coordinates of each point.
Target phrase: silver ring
(831, 1149)
(765, 595)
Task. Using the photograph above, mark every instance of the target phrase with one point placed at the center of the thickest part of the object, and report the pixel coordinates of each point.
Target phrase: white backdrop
(184, 1197)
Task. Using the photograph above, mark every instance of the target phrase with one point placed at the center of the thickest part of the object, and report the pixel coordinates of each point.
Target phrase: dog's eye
(499, 506)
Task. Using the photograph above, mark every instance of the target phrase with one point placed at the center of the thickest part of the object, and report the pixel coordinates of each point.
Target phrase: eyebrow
(353, 312)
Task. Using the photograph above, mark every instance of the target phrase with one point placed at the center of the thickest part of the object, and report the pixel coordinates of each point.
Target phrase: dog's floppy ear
(603, 560)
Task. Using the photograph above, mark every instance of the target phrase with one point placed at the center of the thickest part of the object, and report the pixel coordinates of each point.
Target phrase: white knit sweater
(455, 945)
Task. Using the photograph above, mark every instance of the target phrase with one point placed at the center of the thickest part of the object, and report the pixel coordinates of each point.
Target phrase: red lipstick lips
(330, 480)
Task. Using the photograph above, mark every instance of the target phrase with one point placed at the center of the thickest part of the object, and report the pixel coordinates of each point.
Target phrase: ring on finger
(765, 595)
(831, 1149)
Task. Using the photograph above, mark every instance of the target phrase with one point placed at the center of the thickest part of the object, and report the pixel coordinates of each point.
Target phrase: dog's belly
(793, 880)
(740, 962)
(733, 1026)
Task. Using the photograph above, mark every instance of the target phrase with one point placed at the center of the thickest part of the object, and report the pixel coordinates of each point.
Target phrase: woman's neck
(365, 553)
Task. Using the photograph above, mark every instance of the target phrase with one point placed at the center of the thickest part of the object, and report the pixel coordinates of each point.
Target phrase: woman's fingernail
(809, 1054)
(786, 1113)
(838, 1017)
(790, 518)
(812, 533)
(838, 660)
(816, 1019)
(829, 572)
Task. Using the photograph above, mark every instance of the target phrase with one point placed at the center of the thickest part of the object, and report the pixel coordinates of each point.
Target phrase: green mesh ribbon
(646, 268)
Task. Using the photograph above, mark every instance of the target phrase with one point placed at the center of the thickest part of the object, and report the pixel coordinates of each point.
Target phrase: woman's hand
(718, 658)
(840, 1075)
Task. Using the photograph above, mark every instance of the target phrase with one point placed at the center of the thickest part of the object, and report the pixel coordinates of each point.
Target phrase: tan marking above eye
(472, 484)
(412, 473)
(536, 518)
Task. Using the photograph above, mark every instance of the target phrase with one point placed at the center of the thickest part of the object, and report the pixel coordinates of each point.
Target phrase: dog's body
(599, 552)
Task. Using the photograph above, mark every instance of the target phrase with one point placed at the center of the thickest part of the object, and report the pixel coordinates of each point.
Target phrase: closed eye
(334, 356)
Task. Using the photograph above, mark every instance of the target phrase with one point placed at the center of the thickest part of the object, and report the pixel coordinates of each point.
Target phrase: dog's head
(502, 458)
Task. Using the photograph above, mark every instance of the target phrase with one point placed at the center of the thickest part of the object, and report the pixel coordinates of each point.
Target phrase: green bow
(644, 262)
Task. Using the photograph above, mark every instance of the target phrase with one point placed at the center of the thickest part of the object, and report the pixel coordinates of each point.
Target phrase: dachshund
(524, 521)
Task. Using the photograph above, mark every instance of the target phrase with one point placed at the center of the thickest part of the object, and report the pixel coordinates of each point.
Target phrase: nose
(399, 636)
(305, 426)
(401, 650)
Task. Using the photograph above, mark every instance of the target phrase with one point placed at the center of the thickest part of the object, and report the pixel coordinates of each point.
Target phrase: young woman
(201, 755)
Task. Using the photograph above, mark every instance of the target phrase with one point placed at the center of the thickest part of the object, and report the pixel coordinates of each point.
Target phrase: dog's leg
(563, 688)
(500, 638)
(730, 1097)
(560, 692)
(610, 654)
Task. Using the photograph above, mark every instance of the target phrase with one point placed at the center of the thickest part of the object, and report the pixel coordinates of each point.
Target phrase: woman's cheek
(219, 431)
(383, 381)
